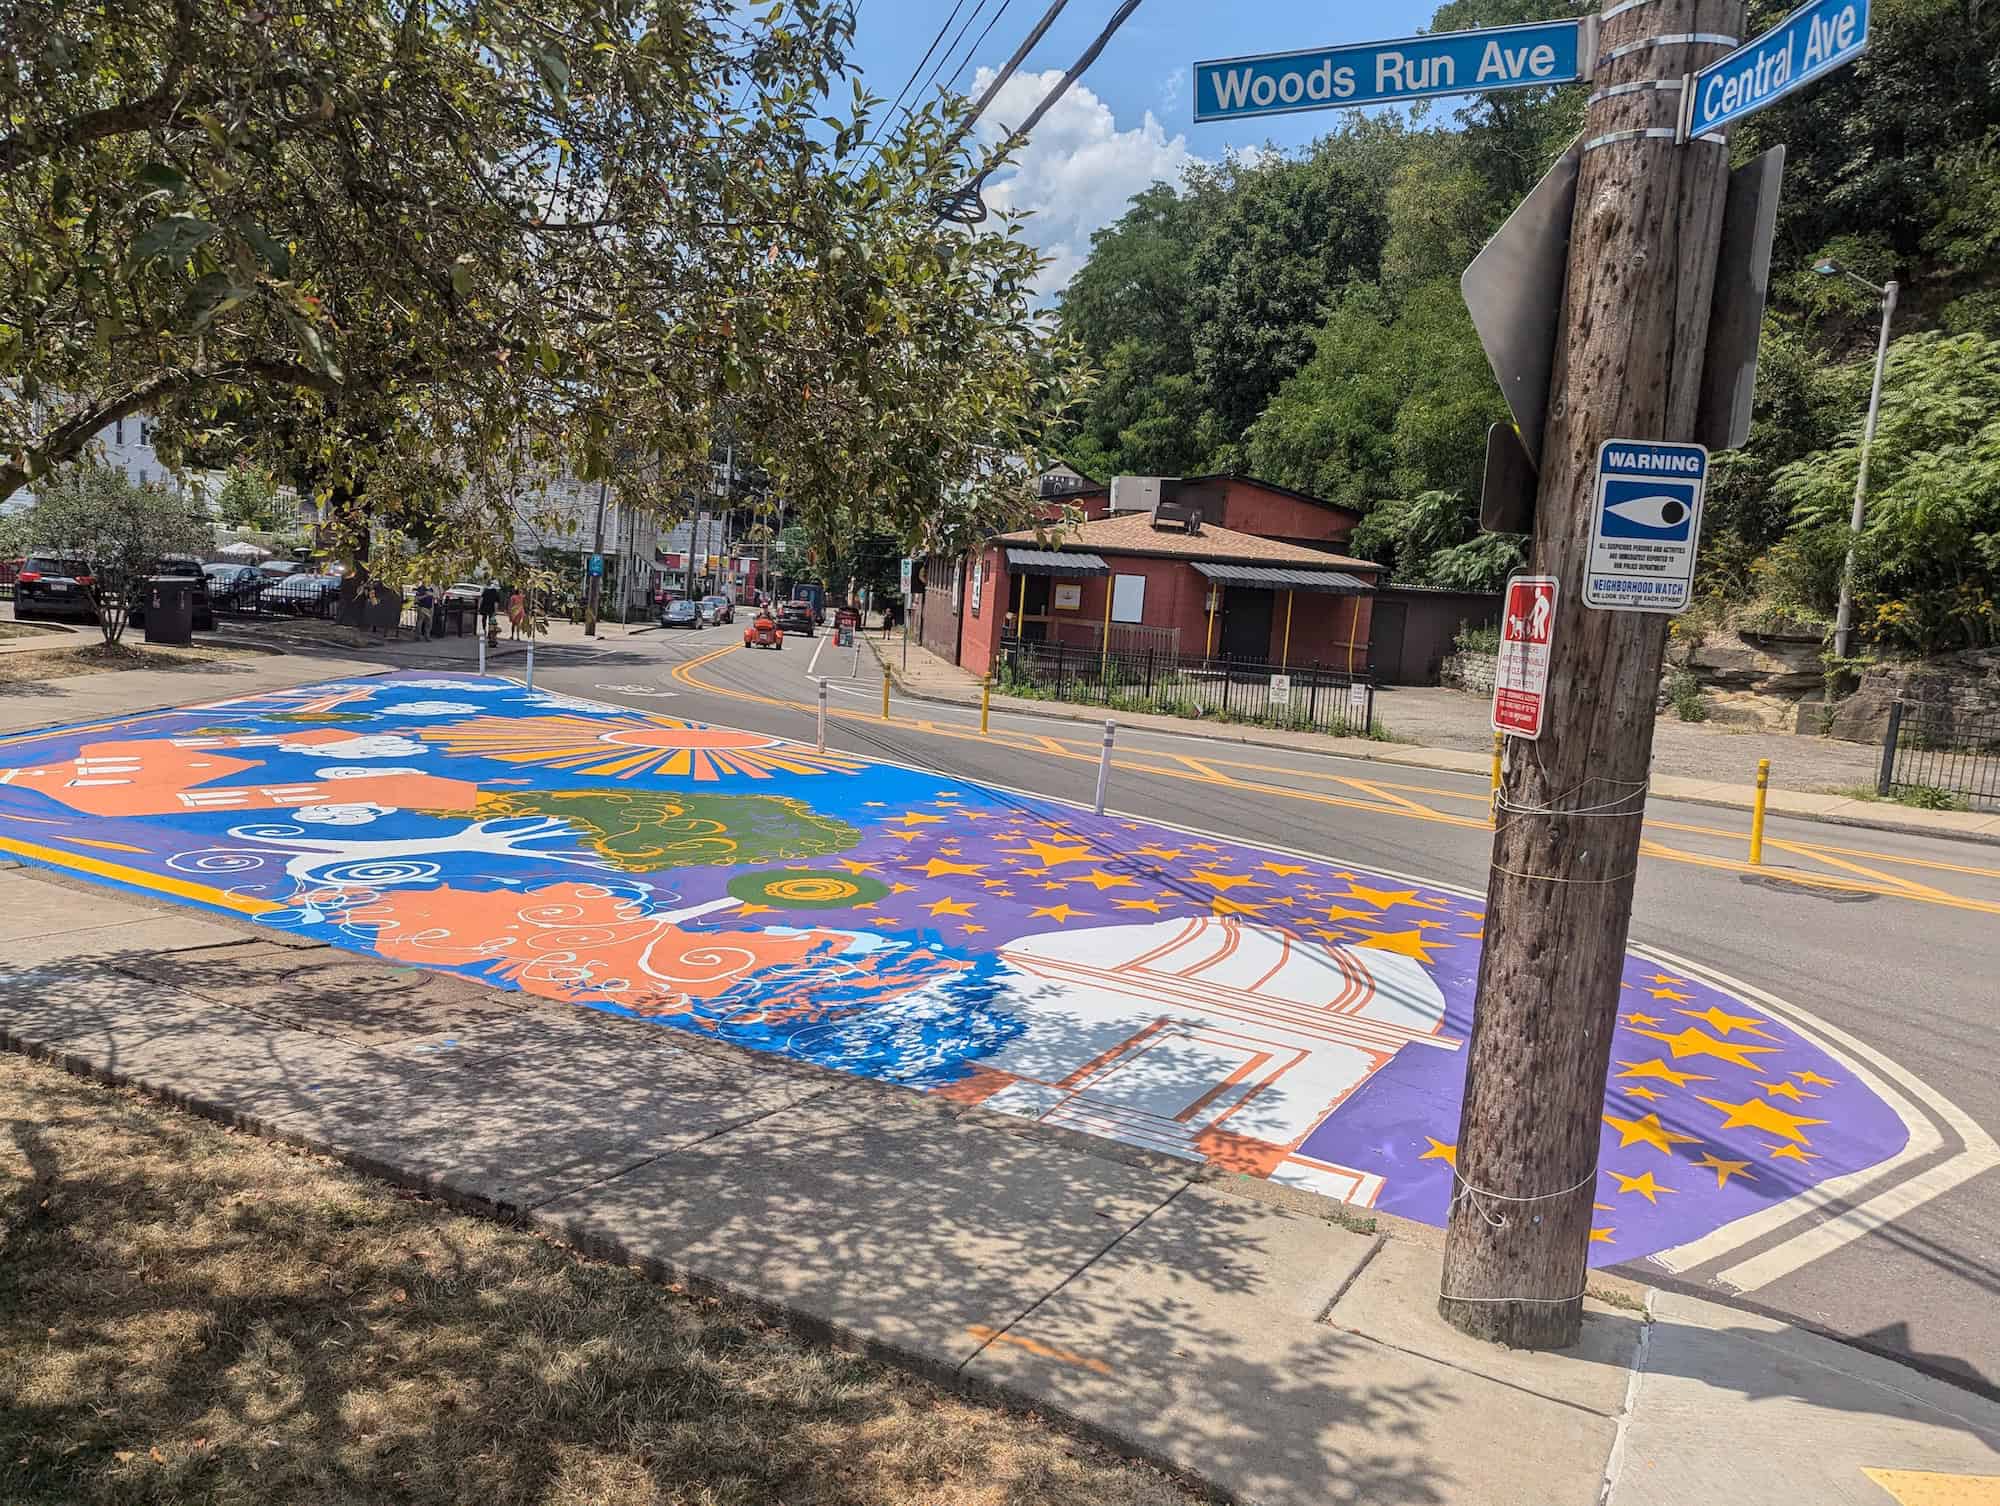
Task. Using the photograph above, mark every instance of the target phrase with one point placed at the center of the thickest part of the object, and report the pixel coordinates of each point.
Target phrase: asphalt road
(1892, 939)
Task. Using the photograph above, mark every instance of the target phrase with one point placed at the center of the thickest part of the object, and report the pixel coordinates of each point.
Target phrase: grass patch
(193, 1315)
(96, 658)
(1921, 797)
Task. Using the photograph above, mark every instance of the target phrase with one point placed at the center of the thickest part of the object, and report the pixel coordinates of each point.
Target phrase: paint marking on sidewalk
(1036, 1347)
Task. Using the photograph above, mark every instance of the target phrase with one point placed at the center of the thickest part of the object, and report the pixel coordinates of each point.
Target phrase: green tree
(1433, 539)
(1927, 568)
(248, 498)
(97, 514)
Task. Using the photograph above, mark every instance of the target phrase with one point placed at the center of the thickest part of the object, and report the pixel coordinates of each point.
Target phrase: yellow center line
(1830, 860)
(1198, 771)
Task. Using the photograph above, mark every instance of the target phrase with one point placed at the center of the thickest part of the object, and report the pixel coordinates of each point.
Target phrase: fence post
(1890, 734)
(1757, 813)
(1104, 763)
(820, 739)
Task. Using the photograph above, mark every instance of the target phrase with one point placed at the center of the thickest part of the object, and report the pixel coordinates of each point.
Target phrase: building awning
(1285, 578)
(1057, 562)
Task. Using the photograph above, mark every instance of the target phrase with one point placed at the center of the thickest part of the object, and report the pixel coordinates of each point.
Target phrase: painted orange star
(1814, 1080)
(1693, 1042)
(1670, 994)
(972, 930)
(1784, 1089)
(1284, 870)
(1643, 1184)
(1337, 912)
(1383, 899)
(949, 906)
(1659, 1069)
(1164, 854)
(1647, 1131)
(1059, 913)
(1790, 1153)
(1440, 1151)
(938, 868)
(1603, 1236)
(1054, 854)
(1758, 1113)
(1646, 1093)
(1137, 904)
(1664, 978)
(1222, 883)
(1724, 1170)
(853, 867)
(1412, 944)
(919, 818)
(1221, 906)
(1099, 880)
(1719, 1019)
(1641, 1019)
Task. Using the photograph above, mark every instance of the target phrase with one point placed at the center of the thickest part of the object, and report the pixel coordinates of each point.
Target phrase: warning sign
(1521, 672)
(1645, 525)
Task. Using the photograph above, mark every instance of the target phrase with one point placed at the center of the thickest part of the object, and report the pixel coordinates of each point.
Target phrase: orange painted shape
(1036, 1347)
(1241, 1153)
(981, 1085)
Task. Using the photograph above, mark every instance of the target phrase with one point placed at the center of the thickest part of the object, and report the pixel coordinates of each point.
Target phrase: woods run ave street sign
(1369, 73)
(1814, 39)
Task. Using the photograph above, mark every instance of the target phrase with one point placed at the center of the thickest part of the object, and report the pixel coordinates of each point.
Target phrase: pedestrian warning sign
(1521, 671)
(1645, 525)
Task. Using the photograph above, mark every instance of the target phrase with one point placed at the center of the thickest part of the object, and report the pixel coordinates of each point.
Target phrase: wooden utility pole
(1559, 899)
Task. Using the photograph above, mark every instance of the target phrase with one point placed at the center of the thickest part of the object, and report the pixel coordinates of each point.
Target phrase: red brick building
(1230, 567)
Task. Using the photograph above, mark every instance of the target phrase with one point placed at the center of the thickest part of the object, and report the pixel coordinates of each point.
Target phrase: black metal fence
(282, 596)
(1307, 698)
(1934, 754)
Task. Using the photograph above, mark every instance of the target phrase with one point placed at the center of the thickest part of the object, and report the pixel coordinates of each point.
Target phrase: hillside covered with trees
(1297, 316)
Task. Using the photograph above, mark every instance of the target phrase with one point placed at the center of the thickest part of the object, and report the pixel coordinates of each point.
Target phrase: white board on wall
(1128, 598)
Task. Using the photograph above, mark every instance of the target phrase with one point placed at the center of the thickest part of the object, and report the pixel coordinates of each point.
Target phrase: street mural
(1301, 1021)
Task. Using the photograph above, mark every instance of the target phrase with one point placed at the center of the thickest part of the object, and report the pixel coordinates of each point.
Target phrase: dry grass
(95, 658)
(191, 1315)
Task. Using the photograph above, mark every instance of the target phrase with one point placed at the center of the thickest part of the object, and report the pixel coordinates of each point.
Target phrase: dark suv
(51, 586)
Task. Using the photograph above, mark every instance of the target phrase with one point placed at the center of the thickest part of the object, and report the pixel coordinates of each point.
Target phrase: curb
(1475, 762)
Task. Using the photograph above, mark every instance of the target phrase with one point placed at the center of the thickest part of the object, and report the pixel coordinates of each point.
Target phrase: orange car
(763, 633)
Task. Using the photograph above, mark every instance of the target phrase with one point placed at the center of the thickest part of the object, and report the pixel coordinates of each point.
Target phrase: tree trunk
(1559, 897)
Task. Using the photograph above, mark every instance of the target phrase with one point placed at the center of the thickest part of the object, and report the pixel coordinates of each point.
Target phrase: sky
(1128, 121)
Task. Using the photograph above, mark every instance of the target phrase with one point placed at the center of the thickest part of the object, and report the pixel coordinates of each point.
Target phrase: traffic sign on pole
(1521, 669)
(1818, 37)
(1373, 73)
(1644, 526)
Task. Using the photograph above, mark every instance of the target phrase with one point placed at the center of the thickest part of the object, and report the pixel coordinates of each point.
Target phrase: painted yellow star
(1164, 854)
(1718, 1019)
(1758, 1113)
(1724, 1170)
(1440, 1151)
(1790, 1153)
(1054, 854)
(1337, 912)
(1137, 904)
(882, 920)
(972, 930)
(1221, 906)
(901, 888)
(1641, 1019)
(1643, 1184)
(1646, 1093)
(853, 867)
(1413, 944)
(918, 818)
(1664, 978)
(1054, 884)
(1057, 913)
(1284, 870)
(1659, 1069)
(1099, 880)
(1672, 995)
(1337, 937)
(1603, 1236)
(1647, 1131)
(1382, 899)
(1784, 1089)
(949, 906)
(993, 883)
(1814, 1080)
(1286, 900)
(938, 868)
(1693, 1042)
(1222, 883)
(1204, 847)
(904, 836)
(750, 909)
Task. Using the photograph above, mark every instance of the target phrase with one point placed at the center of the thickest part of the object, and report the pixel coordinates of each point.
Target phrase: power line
(945, 57)
(1020, 56)
(875, 143)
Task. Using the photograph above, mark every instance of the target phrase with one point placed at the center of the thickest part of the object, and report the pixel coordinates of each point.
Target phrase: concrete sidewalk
(84, 698)
(1259, 1342)
(928, 677)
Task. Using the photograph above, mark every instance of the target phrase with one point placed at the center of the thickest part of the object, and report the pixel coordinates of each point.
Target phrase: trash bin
(170, 609)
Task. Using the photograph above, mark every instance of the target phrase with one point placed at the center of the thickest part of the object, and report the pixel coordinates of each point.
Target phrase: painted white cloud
(1078, 170)
(432, 708)
(360, 813)
(371, 745)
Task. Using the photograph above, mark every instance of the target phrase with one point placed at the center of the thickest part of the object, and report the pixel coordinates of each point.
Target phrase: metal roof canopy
(1280, 578)
(1055, 562)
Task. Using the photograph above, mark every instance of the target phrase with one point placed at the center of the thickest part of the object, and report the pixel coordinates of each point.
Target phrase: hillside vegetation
(1297, 316)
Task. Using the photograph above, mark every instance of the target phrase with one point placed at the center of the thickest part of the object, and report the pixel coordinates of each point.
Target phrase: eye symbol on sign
(1650, 512)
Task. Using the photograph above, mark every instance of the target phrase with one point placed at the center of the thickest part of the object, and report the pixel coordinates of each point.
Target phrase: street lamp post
(1843, 622)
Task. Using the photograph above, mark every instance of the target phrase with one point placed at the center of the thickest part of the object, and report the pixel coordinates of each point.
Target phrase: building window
(1128, 598)
(957, 582)
(118, 432)
(978, 577)
(145, 431)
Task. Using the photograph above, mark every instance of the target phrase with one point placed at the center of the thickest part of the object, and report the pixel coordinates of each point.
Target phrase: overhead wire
(874, 143)
(977, 43)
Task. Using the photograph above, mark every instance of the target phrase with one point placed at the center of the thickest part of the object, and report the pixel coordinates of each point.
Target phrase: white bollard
(1104, 764)
(482, 650)
(821, 740)
(531, 664)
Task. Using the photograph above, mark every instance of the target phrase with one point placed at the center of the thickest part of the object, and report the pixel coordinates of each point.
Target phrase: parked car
(234, 586)
(304, 595)
(680, 614)
(465, 592)
(796, 617)
(279, 569)
(51, 586)
(718, 609)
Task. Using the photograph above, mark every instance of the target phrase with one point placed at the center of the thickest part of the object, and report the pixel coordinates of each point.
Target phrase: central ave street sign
(1645, 525)
(1371, 73)
(1817, 37)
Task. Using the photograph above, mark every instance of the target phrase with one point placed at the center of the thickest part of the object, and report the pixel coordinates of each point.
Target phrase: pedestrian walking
(517, 613)
(489, 612)
(426, 605)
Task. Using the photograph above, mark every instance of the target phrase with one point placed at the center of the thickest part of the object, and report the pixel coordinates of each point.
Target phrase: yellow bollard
(1757, 812)
(1496, 763)
(985, 702)
(885, 695)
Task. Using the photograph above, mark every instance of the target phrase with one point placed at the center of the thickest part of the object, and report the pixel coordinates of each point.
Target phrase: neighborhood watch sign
(1508, 57)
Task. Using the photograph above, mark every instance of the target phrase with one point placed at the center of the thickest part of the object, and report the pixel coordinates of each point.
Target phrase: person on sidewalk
(489, 612)
(517, 613)
(425, 605)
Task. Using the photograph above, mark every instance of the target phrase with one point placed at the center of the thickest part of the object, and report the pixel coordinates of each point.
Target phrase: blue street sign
(1369, 73)
(1816, 38)
(597, 564)
(1645, 526)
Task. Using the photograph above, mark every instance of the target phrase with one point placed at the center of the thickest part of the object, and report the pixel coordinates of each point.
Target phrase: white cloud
(368, 745)
(1077, 171)
(1170, 89)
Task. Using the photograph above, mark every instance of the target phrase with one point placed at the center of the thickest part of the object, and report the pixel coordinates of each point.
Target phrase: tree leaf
(173, 238)
(161, 178)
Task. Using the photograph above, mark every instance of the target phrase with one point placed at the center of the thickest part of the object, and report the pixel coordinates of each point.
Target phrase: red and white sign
(1521, 672)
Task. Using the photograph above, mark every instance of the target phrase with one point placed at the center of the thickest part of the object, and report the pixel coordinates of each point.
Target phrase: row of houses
(1195, 567)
